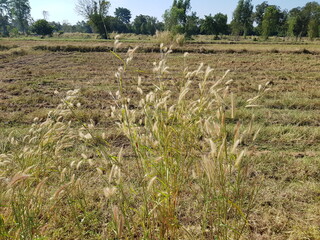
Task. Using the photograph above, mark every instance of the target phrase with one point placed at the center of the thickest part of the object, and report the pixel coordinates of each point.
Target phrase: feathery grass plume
(180, 39)
(168, 126)
(109, 192)
(118, 220)
(116, 43)
(168, 38)
(130, 54)
(17, 178)
(165, 37)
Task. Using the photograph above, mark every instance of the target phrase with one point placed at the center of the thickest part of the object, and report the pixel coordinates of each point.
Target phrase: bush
(42, 27)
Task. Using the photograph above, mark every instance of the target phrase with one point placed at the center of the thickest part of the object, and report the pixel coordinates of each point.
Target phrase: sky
(64, 10)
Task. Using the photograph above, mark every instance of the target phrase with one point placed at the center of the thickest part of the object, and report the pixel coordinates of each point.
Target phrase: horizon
(68, 14)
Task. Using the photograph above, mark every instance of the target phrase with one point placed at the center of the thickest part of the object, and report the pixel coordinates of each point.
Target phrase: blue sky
(63, 10)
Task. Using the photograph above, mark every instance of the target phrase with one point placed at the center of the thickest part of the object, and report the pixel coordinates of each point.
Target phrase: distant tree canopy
(262, 20)
(258, 15)
(271, 21)
(123, 14)
(42, 27)
(242, 22)
(192, 26)
(20, 12)
(4, 18)
(14, 15)
(304, 21)
(144, 24)
(215, 25)
(96, 13)
(175, 18)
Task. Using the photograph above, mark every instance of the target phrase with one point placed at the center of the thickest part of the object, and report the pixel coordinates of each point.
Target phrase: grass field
(92, 172)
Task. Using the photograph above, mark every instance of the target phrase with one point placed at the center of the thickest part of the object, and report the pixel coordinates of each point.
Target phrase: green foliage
(80, 27)
(42, 27)
(192, 25)
(175, 19)
(271, 21)
(4, 24)
(304, 21)
(242, 22)
(123, 14)
(20, 13)
(144, 24)
(313, 29)
(99, 25)
(297, 24)
(216, 24)
(221, 21)
(4, 18)
(258, 15)
(14, 14)
(96, 13)
(115, 25)
(312, 9)
(14, 32)
(208, 25)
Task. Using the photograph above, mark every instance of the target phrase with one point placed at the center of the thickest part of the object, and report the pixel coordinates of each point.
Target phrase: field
(88, 171)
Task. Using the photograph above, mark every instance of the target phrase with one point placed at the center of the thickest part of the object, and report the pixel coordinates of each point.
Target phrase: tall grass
(183, 150)
(180, 172)
(168, 38)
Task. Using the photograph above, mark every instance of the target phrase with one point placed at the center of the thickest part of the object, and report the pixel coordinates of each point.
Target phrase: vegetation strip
(70, 48)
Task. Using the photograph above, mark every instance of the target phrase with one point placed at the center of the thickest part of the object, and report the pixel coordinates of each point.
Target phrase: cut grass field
(283, 162)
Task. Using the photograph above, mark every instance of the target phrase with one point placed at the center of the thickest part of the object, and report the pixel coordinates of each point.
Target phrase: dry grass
(53, 166)
(169, 38)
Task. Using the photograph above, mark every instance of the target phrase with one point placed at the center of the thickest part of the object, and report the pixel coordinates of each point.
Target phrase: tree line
(14, 16)
(262, 20)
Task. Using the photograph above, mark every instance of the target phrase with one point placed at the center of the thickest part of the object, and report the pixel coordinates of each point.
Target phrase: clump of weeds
(181, 170)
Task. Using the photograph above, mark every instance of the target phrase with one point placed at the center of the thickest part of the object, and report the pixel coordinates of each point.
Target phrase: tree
(95, 12)
(283, 24)
(207, 25)
(123, 14)
(115, 25)
(83, 27)
(258, 15)
(4, 18)
(139, 24)
(216, 24)
(221, 23)
(297, 23)
(192, 26)
(20, 13)
(175, 19)
(313, 29)
(144, 24)
(271, 21)
(242, 22)
(42, 27)
(312, 12)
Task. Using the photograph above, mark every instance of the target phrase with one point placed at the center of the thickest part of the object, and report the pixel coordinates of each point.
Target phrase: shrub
(42, 27)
